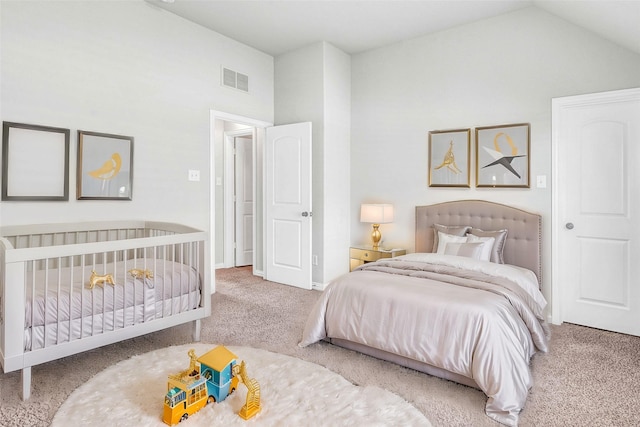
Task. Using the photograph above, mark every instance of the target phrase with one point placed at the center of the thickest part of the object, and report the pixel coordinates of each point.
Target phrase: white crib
(155, 276)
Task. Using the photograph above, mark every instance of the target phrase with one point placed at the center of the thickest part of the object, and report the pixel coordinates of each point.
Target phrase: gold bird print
(449, 160)
(109, 169)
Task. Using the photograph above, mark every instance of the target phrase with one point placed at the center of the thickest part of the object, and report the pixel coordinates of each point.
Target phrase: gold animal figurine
(141, 274)
(97, 279)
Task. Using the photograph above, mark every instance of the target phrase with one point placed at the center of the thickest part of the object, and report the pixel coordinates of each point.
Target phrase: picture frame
(503, 156)
(26, 177)
(450, 158)
(105, 166)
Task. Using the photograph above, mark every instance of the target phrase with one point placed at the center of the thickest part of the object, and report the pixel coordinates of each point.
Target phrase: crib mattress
(60, 306)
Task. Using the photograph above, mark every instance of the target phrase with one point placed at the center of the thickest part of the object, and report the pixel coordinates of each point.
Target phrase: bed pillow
(455, 230)
(469, 250)
(487, 245)
(500, 237)
(444, 238)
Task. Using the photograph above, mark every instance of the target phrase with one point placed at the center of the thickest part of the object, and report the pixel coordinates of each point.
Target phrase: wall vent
(235, 80)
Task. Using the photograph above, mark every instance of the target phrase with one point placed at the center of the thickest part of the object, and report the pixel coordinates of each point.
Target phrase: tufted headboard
(523, 246)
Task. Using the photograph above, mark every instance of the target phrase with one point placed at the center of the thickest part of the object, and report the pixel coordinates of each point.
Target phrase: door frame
(257, 124)
(557, 104)
(229, 212)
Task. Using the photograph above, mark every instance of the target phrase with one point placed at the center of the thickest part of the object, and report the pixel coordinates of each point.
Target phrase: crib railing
(43, 235)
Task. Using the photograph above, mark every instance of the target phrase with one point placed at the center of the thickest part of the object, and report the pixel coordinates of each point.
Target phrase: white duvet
(476, 319)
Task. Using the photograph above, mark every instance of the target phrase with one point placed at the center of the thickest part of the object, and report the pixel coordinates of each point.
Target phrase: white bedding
(74, 311)
(525, 278)
(476, 319)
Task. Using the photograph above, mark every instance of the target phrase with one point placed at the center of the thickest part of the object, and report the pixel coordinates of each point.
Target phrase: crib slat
(104, 291)
(93, 299)
(153, 280)
(113, 297)
(125, 273)
(45, 302)
(33, 300)
(173, 272)
(71, 271)
(58, 323)
(164, 282)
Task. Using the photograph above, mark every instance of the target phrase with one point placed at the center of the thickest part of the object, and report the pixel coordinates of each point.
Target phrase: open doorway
(225, 128)
(239, 201)
(287, 250)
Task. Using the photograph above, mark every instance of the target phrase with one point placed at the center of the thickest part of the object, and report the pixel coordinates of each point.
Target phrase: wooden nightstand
(362, 254)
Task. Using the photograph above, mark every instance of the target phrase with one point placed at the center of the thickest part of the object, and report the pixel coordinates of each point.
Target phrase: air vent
(235, 80)
(242, 82)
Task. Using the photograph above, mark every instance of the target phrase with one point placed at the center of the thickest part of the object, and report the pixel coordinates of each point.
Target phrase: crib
(69, 288)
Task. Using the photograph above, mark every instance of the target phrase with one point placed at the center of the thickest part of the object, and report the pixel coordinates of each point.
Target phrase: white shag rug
(293, 393)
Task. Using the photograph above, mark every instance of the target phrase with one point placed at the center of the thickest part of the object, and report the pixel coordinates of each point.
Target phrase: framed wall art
(449, 158)
(105, 166)
(502, 156)
(35, 162)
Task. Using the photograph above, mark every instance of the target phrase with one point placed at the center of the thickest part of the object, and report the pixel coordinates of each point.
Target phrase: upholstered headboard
(523, 246)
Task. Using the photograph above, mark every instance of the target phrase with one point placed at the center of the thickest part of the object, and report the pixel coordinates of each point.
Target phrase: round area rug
(293, 393)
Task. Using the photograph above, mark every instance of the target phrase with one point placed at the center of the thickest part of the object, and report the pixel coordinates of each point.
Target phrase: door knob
(569, 226)
(305, 213)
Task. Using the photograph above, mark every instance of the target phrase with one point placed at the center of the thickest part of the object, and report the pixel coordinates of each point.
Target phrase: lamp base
(376, 236)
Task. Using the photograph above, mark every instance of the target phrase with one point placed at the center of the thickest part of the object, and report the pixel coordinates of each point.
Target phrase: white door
(596, 269)
(243, 201)
(287, 199)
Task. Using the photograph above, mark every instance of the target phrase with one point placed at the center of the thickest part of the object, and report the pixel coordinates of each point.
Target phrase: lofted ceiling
(354, 26)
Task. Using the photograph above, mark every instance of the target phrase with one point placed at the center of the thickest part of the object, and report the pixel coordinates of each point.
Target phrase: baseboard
(318, 286)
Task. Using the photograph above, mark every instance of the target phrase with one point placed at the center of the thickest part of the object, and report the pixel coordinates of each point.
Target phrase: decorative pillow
(487, 245)
(498, 246)
(444, 238)
(456, 230)
(469, 250)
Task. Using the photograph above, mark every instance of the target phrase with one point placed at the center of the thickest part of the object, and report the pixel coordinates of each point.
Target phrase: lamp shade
(376, 213)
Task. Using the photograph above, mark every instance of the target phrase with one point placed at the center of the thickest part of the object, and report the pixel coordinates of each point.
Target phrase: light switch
(541, 181)
(194, 175)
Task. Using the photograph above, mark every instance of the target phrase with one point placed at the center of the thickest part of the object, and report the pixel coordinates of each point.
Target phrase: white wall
(126, 67)
(299, 97)
(313, 84)
(496, 71)
(337, 159)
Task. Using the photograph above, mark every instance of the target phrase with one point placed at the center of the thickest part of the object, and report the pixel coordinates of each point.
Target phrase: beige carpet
(589, 377)
(293, 391)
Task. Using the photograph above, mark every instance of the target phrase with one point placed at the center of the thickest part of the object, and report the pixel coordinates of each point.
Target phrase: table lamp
(376, 214)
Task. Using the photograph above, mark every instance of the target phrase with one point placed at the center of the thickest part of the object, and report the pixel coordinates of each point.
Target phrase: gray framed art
(502, 156)
(35, 162)
(105, 166)
(449, 158)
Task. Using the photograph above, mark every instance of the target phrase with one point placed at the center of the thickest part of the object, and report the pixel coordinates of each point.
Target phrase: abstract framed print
(503, 156)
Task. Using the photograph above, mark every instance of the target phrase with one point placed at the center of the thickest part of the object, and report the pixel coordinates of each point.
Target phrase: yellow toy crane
(252, 406)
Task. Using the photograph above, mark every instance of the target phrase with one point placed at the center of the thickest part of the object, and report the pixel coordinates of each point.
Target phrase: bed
(462, 307)
(69, 288)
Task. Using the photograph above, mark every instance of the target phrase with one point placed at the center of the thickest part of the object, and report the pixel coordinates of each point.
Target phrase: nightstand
(359, 255)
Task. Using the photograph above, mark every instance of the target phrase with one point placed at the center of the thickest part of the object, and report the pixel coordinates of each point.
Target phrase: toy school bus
(209, 378)
(184, 398)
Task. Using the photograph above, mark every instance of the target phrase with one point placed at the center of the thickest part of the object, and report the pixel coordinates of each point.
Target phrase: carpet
(293, 393)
